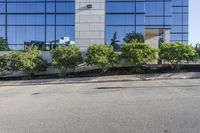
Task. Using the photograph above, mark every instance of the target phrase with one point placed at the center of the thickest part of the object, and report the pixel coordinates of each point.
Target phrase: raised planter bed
(95, 72)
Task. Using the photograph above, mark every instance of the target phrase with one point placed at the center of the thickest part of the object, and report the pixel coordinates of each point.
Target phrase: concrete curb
(116, 78)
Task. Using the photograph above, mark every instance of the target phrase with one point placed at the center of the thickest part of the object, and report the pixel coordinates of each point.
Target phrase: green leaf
(66, 58)
(102, 56)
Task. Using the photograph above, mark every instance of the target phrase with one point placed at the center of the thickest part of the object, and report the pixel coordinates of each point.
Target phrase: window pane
(2, 7)
(65, 19)
(65, 31)
(50, 19)
(2, 19)
(25, 8)
(27, 21)
(65, 7)
(50, 34)
(125, 19)
(2, 31)
(121, 7)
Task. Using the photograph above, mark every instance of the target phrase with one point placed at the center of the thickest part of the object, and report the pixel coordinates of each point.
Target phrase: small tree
(28, 61)
(134, 37)
(66, 58)
(138, 54)
(197, 48)
(3, 44)
(102, 56)
(176, 52)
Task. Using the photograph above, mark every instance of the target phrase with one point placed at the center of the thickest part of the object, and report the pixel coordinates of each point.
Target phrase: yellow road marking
(71, 94)
(7, 88)
(122, 93)
(181, 92)
(38, 88)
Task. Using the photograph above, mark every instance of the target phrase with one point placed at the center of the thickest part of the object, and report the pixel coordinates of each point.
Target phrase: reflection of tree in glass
(134, 37)
(161, 40)
(3, 44)
(114, 41)
(39, 44)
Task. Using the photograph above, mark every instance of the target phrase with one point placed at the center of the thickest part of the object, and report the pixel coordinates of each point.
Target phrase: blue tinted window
(25, 8)
(185, 36)
(64, 7)
(120, 30)
(177, 37)
(154, 8)
(179, 21)
(120, 19)
(2, 7)
(2, 31)
(158, 13)
(50, 33)
(2, 19)
(120, 7)
(50, 19)
(140, 7)
(50, 7)
(124, 17)
(37, 21)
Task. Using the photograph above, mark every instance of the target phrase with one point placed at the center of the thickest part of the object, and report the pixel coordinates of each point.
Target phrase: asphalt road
(165, 106)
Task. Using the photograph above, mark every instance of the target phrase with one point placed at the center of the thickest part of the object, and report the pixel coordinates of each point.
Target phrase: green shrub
(102, 56)
(3, 63)
(28, 61)
(3, 44)
(197, 48)
(66, 58)
(176, 52)
(138, 54)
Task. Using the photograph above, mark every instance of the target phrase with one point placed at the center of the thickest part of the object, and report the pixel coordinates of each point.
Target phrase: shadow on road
(166, 86)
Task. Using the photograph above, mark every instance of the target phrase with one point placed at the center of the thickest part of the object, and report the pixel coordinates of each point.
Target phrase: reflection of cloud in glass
(135, 16)
(35, 24)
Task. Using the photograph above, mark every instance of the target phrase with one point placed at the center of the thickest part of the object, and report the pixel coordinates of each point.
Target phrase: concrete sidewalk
(116, 78)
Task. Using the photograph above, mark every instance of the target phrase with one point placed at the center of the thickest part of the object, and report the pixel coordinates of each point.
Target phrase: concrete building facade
(90, 22)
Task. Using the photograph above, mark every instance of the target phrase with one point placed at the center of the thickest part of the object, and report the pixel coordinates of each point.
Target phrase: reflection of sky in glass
(28, 21)
(123, 17)
(134, 16)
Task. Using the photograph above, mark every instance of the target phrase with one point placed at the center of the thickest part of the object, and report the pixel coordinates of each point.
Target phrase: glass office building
(49, 22)
(36, 21)
(125, 16)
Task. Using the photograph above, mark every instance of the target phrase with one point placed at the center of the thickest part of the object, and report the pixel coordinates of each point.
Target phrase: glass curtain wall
(158, 14)
(125, 16)
(122, 17)
(179, 31)
(36, 21)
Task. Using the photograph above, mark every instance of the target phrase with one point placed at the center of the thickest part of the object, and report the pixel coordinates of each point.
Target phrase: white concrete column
(166, 36)
(152, 37)
(89, 23)
(153, 41)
